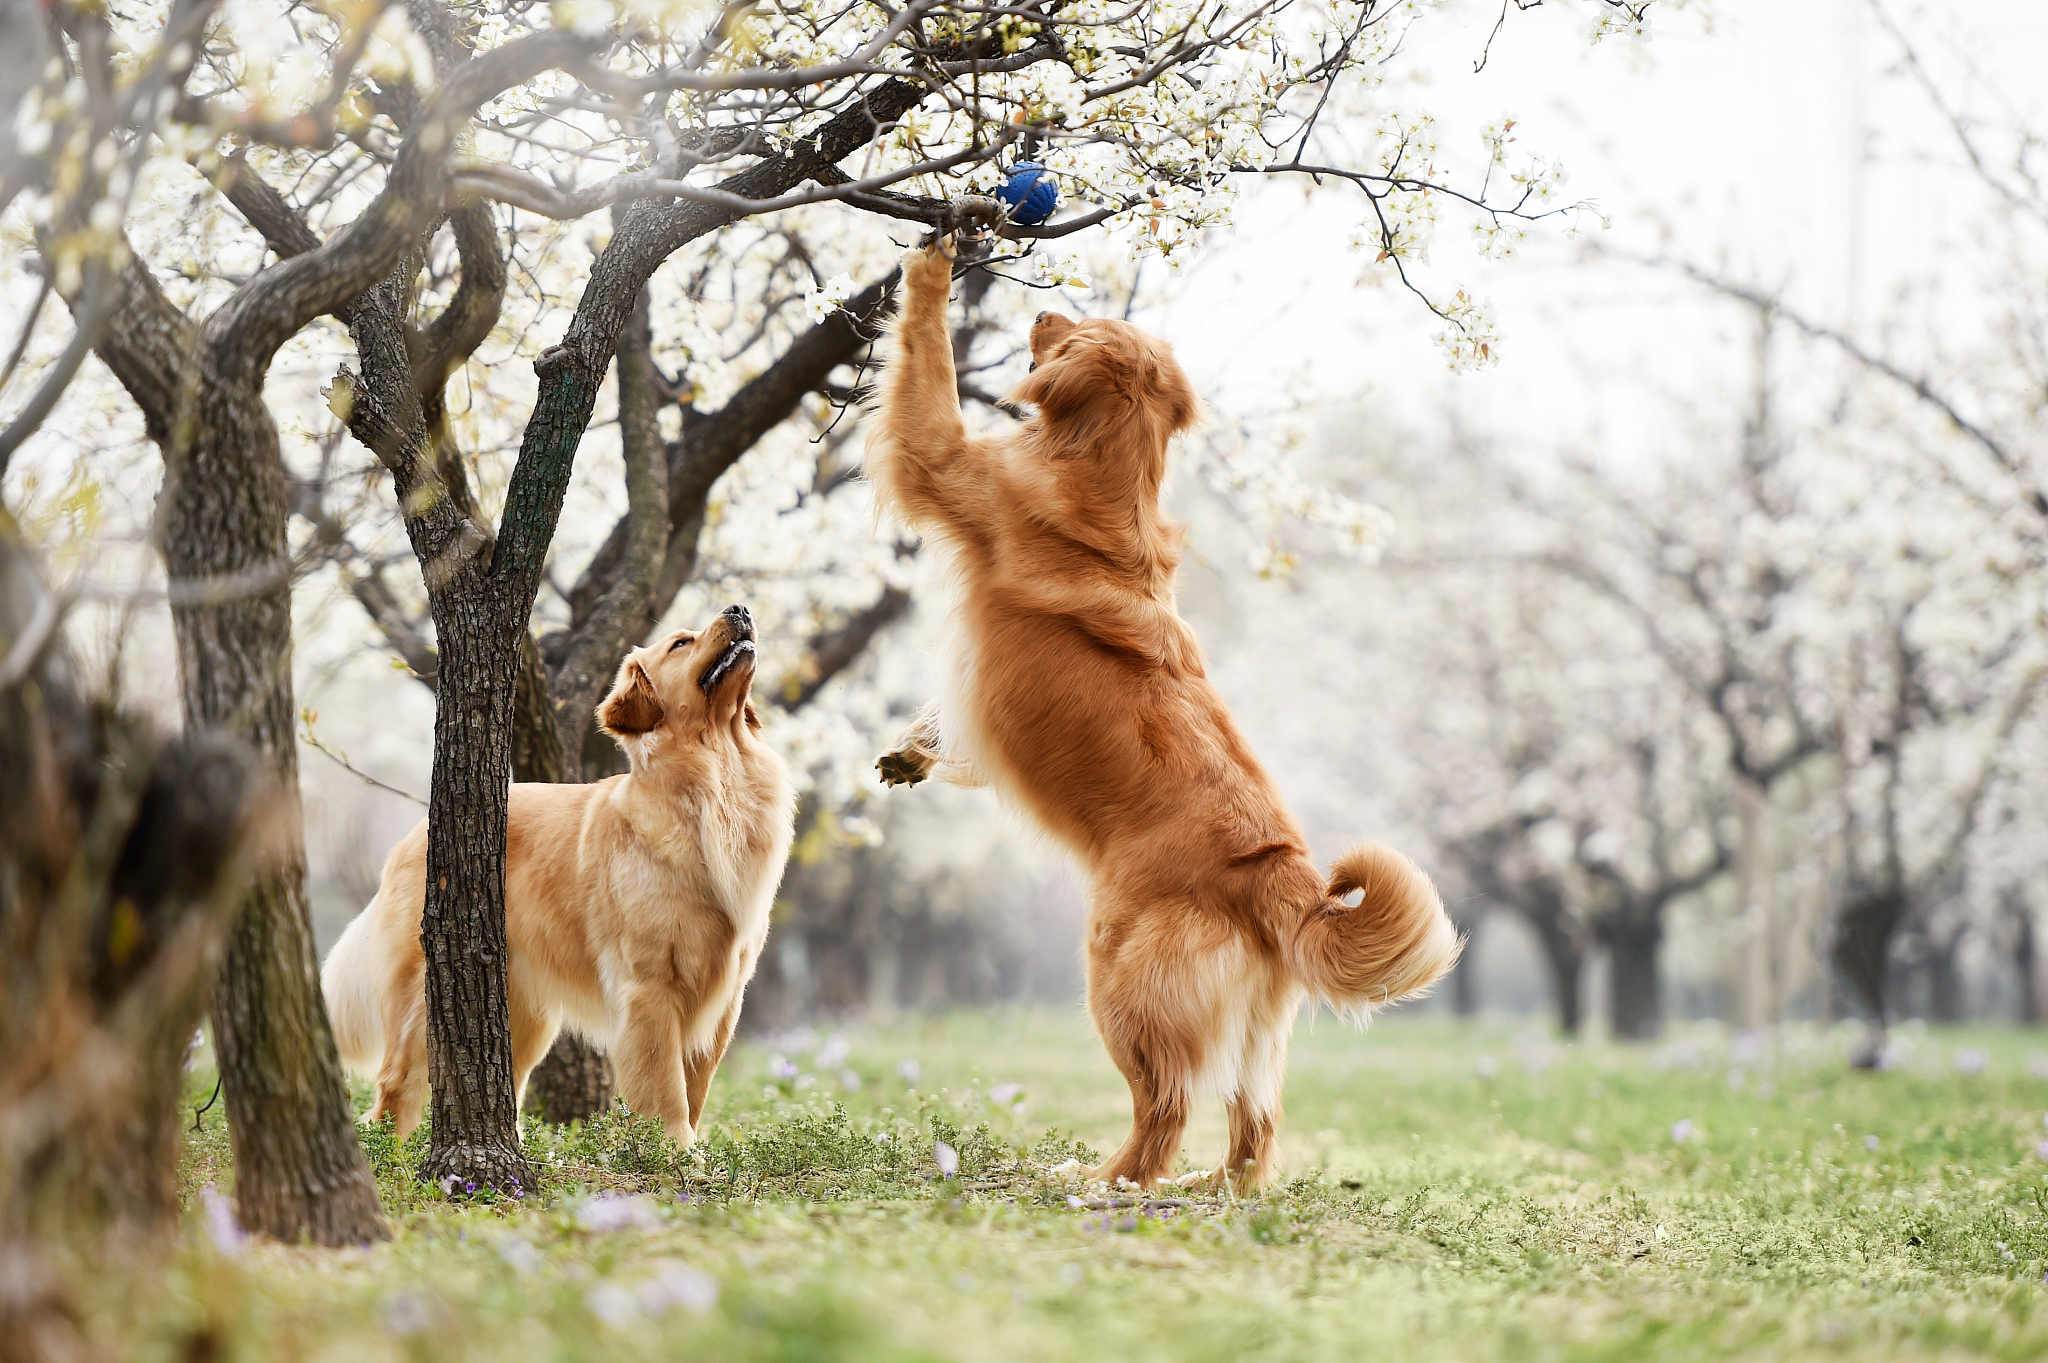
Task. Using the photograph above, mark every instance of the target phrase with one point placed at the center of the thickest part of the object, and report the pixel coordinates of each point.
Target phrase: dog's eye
(680, 643)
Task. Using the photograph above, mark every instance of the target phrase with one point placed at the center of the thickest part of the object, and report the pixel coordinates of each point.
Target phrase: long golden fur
(1076, 689)
(635, 907)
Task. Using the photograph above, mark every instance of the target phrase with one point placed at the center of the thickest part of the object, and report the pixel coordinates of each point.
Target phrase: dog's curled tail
(351, 992)
(1394, 944)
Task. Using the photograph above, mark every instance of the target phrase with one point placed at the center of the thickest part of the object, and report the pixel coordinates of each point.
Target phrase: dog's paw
(1196, 1179)
(902, 768)
(929, 266)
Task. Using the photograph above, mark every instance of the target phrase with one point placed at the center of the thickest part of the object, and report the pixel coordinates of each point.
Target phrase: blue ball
(1030, 193)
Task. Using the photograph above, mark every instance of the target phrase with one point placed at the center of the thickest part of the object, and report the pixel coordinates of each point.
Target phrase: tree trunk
(300, 1171)
(1633, 990)
(1754, 992)
(1944, 979)
(1564, 949)
(2024, 956)
(120, 869)
(574, 1083)
(1863, 943)
(469, 1038)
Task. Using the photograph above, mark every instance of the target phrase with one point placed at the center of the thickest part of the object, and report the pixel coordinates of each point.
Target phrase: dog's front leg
(923, 752)
(648, 1057)
(915, 458)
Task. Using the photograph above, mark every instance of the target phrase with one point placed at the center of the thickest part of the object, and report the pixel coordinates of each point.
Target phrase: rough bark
(575, 1082)
(474, 1102)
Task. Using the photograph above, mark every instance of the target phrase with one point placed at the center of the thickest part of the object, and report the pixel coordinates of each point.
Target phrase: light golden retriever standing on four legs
(635, 907)
(1077, 690)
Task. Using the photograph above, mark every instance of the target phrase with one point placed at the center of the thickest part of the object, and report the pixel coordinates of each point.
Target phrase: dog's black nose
(1042, 316)
(739, 612)
(741, 619)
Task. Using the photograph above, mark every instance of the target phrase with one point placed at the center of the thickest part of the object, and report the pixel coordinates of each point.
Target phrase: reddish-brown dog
(1077, 690)
(635, 907)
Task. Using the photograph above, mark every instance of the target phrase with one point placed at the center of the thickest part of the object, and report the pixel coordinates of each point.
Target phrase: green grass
(1427, 1210)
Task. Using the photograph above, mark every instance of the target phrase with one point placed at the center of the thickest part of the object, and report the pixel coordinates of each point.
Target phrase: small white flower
(517, 1252)
(948, 1158)
(1486, 1067)
(611, 1211)
(1871, 1143)
(613, 1304)
(1002, 1093)
(909, 1070)
(782, 1068)
(677, 1284)
(1683, 1130)
(406, 1314)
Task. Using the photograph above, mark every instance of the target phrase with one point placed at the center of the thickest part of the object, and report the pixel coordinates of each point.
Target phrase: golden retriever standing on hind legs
(635, 907)
(1077, 691)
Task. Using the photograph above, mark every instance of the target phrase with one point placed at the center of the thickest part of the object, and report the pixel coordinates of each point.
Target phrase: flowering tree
(345, 141)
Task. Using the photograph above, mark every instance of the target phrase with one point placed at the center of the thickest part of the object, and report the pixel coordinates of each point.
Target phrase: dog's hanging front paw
(904, 767)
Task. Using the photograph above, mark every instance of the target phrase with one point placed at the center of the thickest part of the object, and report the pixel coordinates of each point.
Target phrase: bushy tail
(1396, 943)
(350, 987)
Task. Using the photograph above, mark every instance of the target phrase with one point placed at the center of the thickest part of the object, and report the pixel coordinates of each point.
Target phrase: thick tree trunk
(1633, 990)
(300, 1171)
(469, 1040)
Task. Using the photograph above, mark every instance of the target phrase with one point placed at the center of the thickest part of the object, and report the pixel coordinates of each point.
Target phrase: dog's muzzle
(739, 648)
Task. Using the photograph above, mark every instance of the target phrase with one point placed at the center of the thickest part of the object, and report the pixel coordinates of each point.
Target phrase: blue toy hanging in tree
(1030, 193)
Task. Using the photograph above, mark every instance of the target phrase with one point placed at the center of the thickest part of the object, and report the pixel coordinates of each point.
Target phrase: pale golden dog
(635, 907)
(1077, 690)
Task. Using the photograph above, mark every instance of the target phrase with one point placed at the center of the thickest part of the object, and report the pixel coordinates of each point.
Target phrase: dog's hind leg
(648, 1058)
(1157, 1053)
(699, 1068)
(1252, 1101)
(533, 1031)
(402, 1078)
(1159, 1115)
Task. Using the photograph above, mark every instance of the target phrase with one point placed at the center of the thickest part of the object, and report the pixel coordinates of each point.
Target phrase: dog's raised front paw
(902, 767)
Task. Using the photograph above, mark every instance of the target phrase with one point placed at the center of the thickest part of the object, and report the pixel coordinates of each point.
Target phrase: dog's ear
(1175, 396)
(1086, 371)
(753, 720)
(632, 707)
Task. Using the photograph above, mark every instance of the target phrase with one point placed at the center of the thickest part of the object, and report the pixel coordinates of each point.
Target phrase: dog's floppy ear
(1177, 400)
(1086, 371)
(632, 707)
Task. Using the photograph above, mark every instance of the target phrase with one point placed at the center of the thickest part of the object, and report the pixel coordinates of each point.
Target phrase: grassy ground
(1450, 1192)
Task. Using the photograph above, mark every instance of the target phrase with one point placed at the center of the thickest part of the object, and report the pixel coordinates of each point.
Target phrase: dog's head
(692, 683)
(1099, 375)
